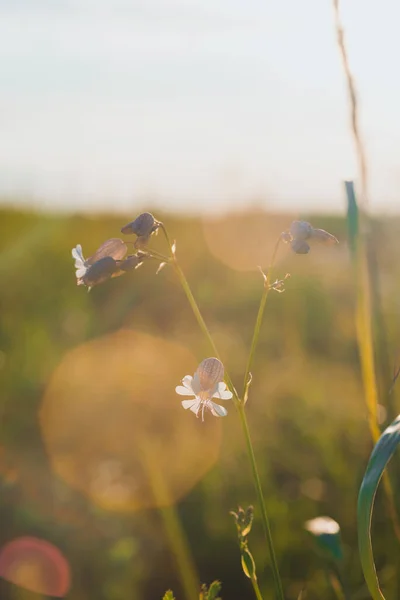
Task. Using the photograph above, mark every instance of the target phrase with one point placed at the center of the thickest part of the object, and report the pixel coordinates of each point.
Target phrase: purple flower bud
(143, 226)
(99, 272)
(300, 231)
(300, 247)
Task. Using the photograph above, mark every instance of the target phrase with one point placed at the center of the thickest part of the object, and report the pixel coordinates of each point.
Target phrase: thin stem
(260, 315)
(256, 589)
(240, 407)
(151, 252)
(260, 496)
(196, 311)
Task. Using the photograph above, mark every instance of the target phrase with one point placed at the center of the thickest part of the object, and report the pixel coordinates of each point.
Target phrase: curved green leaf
(380, 457)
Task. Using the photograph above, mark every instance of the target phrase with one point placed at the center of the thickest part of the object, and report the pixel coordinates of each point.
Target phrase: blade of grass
(381, 455)
(358, 223)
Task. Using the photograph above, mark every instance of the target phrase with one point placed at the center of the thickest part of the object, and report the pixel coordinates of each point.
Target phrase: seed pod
(100, 271)
(144, 225)
(114, 247)
(210, 372)
(301, 230)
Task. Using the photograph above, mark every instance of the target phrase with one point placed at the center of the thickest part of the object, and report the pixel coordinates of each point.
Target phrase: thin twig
(360, 150)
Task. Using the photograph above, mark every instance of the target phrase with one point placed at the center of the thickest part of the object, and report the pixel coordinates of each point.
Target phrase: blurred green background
(87, 396)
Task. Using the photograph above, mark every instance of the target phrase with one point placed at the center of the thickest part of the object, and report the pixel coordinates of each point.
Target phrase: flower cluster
(109, 260)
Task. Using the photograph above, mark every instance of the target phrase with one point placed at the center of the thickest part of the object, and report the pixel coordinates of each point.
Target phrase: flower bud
(300, 247)
(301, 230)
(247, 521)
(100, 271)
(143, 226)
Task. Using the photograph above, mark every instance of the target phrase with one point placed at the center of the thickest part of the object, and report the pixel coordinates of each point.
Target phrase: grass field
(91, 421)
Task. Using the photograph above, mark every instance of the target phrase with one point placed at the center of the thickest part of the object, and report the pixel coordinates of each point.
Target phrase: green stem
(196, 311)
(260, 496)
(240, 407)
(260, 315)
(256, 589)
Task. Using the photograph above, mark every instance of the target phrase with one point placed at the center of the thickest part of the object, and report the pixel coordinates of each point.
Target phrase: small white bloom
(81, 264)
(322, 526)
(204, 385)
(103, 264)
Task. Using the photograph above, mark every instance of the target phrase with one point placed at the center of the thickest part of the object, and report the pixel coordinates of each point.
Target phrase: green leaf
(352, 215)
(380, 457)
(168, 595)
(214, 590)
(248, 564)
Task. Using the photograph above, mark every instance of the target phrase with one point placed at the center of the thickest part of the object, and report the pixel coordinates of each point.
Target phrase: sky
(195, 105)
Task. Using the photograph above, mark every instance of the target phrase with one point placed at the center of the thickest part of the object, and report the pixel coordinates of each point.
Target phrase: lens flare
(35, 565)
(114, 428)
(243, 241)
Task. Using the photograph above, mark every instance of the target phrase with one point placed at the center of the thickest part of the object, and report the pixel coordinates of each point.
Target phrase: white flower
(102, 265)
(81, 264)
(322, 526)
(207, 383)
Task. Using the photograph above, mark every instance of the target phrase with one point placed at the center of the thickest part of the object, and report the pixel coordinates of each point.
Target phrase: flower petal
(183, 391)
(78, 256)
(196, 384)
(325, 237)
(114, 247)
(187, 382)
(193, 404)
(300, 247)
(210, 372)
(221, 392)
(77, 252)
(217, 410)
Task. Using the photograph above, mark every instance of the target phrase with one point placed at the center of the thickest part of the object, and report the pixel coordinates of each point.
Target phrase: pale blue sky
(199, 104)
